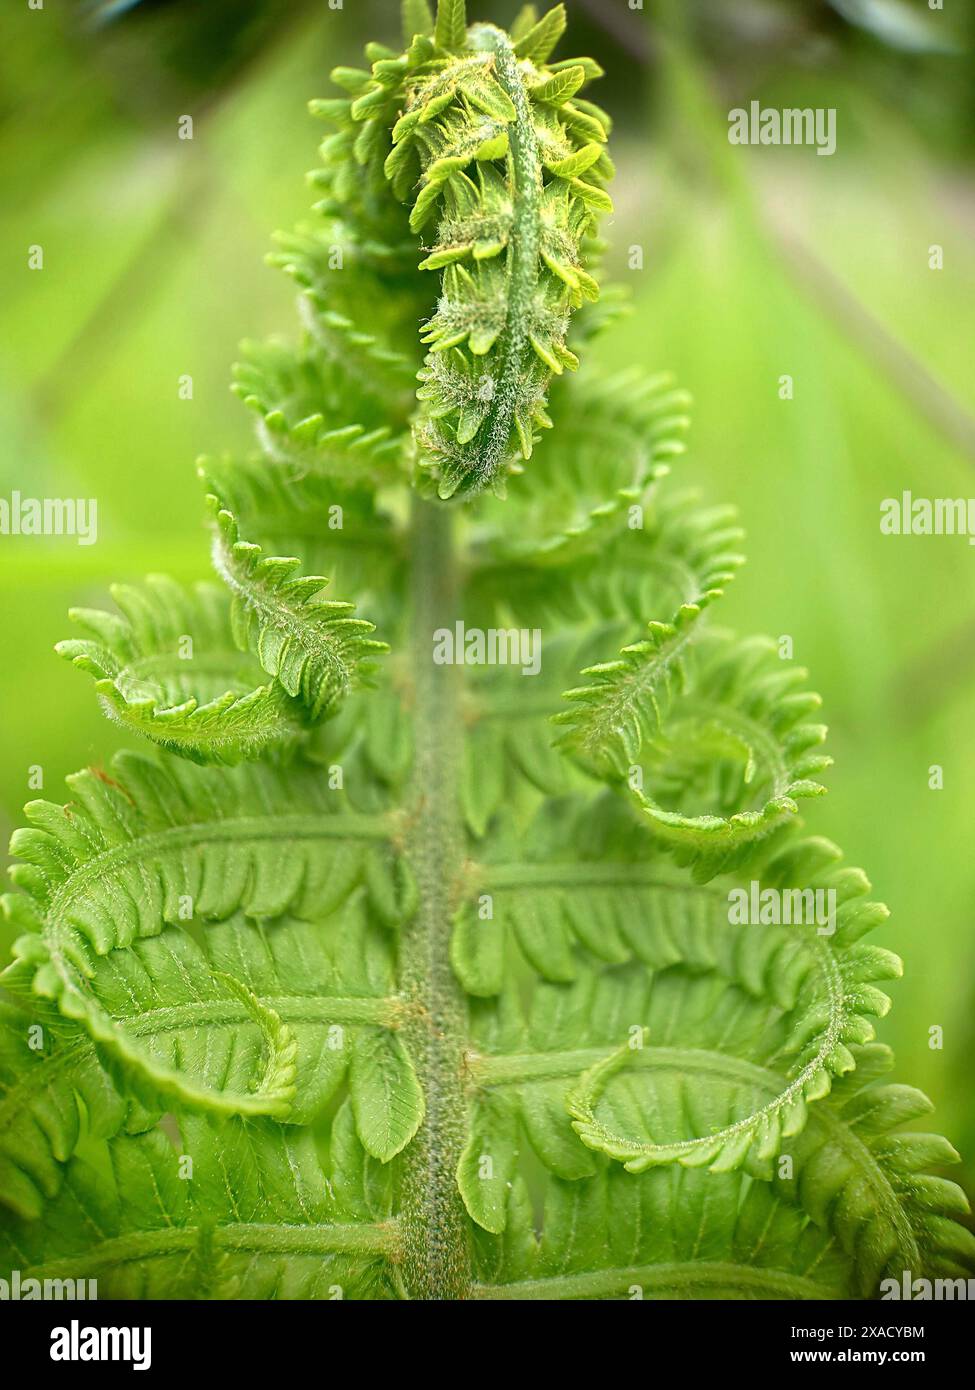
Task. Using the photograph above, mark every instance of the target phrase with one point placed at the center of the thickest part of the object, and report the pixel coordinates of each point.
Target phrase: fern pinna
(415, 992)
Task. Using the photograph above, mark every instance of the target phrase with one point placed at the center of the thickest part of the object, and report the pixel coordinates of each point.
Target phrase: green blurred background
(756, 263)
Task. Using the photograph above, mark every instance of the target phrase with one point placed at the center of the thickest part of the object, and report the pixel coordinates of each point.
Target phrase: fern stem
(436, 1254)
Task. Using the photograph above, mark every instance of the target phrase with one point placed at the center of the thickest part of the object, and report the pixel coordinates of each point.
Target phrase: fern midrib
(266, 718)
(326, 458)
(712, 1278)
(517, 1068)
(238, 829)
(156, 666)
(634, 684)
(292, 1008)
(690, 1059)
(273, 1238)
(435, 1223)
(314, 639)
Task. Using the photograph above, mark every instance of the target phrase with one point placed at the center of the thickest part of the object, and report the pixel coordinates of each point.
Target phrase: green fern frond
(274, 1230)
(303, 407)
(858, 1207)
(621, 709)
(735, 739)
(587, 490)
(681, 556)
(749, 717)
(872, 1187)
(347, 279)
(328, 526)
(168, 669)
(412, 993)
(52, 1089)
(161, 841)
(820, 994)
(306, 1008)
(313, 646)
(103, 879)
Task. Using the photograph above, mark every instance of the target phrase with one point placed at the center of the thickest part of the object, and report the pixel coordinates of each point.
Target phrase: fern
(431, 967)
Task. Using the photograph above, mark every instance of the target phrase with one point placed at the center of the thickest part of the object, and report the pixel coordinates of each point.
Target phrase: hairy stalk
(437, 1261)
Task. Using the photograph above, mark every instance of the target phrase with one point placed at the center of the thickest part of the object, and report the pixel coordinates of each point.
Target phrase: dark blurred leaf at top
(151, 43)
(100, 12)
(898, 24)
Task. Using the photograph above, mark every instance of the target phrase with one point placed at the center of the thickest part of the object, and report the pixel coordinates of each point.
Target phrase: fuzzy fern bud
(504, 169)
